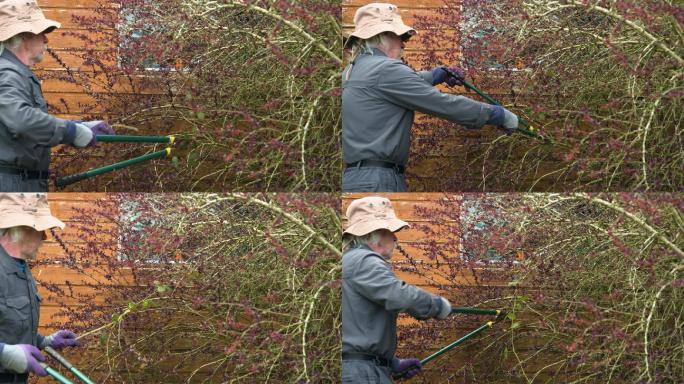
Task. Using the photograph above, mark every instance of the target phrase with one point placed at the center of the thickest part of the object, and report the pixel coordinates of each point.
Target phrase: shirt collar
(11, 57)
(7, 262)
(378, 52)
(12, 265)
(367, 248)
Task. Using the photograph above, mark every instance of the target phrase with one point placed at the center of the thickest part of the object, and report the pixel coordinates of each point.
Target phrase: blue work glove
(60, 339)
(455, 76)
(98, 127)
(22, 358)
(407, 368)
(438, 76)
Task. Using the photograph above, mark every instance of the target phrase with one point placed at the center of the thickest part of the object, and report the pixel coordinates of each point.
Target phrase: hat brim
(397, 27)
(41, 223)
(366, 227)
(35, 27)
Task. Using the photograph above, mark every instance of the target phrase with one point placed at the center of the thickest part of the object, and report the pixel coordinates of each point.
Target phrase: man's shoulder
(10, 67)
(356, 252)
(390, 72)
(381, 61)
(361, 255)
(10, 71)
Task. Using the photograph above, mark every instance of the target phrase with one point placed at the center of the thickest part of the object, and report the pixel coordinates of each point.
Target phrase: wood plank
(53, 274)
(66, 16)
(47, 4)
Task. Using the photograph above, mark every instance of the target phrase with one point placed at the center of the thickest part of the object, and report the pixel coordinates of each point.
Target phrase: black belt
(378, 163)
(381, 361)
(13, 377)
(24, 173)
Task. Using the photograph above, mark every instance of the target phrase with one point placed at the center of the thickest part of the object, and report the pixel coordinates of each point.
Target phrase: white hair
(351, 241)
(15, 234)
(360, 46)
(11, 44)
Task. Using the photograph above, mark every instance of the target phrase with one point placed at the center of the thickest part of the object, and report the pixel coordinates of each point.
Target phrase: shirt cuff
(395, 363)
(438, 76)
(69, 132)
(41, 340)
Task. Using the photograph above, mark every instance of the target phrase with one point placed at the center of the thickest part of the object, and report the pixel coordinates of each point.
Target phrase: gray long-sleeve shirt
(372, 298)
(27, 131)
(379, 97)
(19, 304)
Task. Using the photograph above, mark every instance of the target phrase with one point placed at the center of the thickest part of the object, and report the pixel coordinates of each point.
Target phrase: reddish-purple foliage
(180, 281)
(249, 88)
(599, 87)
(584, 285)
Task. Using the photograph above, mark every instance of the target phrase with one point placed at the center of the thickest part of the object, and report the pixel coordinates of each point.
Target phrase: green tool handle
(135, 139)
(81, 376)
(55, 355)
(56, 375)
(449, 347)
(475, 311)
(527, 128)
(456, 343)
(66, 180)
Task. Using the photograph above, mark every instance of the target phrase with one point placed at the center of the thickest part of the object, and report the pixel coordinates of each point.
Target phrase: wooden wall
(62, 95)
(74, 100)
(52, 256)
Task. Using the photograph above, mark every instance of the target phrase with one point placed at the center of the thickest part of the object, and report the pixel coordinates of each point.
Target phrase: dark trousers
(373, 179)
(9, 378)
(17, 183)
(364, 372)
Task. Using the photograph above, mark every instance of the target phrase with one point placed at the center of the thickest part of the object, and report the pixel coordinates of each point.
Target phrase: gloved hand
(98, 127)
(455, 76)
(22, 358)
(60, 339)
(411, 367)
(510, 124)
(438, 75)
(445, 310)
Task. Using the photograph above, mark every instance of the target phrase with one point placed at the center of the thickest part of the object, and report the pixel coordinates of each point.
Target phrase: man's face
(35, 47)
(385, 246)
(394, 46)
(28, 247)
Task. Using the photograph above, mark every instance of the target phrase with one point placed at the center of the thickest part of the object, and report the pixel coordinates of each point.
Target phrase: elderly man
(24, 218)
(373, 297)
(380, 94)
(27, 131)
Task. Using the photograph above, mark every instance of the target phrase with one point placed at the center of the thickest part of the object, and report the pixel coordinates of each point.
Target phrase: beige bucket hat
(371, 213)
(18, 16)
(376, 18)
(27, 209)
